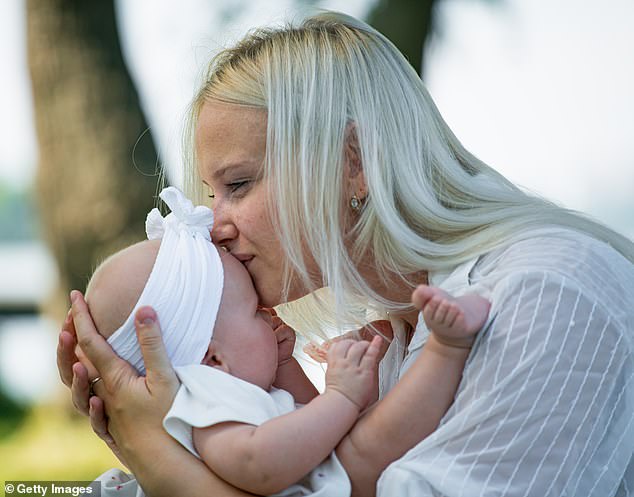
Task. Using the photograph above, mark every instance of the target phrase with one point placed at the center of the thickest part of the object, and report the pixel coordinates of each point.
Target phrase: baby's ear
(215, 358)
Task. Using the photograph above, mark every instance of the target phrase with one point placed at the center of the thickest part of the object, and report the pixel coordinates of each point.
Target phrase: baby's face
(243, 332)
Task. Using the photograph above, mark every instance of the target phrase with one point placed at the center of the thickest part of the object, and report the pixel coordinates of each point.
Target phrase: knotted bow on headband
(184, 287)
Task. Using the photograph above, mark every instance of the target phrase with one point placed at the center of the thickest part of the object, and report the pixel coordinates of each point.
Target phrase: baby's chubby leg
(453, 320)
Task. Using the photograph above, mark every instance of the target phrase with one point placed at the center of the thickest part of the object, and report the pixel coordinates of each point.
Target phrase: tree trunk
(95, 182)
(406, 23)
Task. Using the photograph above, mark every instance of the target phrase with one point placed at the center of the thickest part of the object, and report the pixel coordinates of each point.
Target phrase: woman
(329, 165)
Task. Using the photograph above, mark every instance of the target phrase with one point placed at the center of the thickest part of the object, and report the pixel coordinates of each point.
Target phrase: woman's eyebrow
(220, 172)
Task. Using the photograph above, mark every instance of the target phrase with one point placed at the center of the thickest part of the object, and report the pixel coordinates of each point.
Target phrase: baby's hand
(285, 336)
(351, 369)
(319, 352)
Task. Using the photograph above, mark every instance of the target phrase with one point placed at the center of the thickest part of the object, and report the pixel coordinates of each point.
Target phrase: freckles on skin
(231, 149)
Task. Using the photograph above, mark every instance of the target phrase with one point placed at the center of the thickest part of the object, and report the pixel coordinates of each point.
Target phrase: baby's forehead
(238, 285)
(118, 283)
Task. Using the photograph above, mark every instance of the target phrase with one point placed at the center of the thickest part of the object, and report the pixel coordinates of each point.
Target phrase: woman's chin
(271, 297)
(268, 297)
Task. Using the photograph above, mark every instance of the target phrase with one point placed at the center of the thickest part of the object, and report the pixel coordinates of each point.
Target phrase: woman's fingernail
(73, 295)
(146, 316)
(148, 321)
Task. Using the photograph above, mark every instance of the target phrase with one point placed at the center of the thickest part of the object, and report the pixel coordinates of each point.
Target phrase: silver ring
(92, 384)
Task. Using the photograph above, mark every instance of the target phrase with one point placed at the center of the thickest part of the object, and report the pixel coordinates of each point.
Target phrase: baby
(230, 360)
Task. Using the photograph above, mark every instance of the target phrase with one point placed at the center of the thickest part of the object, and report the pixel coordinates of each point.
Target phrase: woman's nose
(224, 230)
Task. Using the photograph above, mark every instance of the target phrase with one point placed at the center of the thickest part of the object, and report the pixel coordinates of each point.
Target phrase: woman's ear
(215, 358)
(353, 165)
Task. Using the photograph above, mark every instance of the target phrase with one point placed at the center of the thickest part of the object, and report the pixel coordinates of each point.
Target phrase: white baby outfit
(208, 396)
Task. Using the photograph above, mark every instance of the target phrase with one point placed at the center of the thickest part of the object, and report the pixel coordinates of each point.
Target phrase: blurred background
(92, 99)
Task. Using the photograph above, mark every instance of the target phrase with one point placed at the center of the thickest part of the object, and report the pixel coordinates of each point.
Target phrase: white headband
(184, 287)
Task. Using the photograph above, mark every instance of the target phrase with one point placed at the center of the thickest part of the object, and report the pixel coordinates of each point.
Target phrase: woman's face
(231, 148)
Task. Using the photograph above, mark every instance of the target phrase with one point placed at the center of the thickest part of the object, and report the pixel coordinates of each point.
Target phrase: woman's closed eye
(236, 185)
(239, 187)
(234, 188)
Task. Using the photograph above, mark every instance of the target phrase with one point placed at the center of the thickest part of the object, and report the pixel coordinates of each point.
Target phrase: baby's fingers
(319, 353)
(276, 322)
(339, 349)
(357, 351)
(373, 353)
(284, 332)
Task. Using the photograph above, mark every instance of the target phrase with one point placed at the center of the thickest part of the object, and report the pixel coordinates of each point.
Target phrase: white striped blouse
(546, 403)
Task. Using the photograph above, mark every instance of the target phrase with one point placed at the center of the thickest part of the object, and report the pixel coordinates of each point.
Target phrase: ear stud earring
(355, 203)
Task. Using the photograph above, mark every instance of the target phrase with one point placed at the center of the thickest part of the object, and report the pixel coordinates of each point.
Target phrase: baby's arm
(268, 458)
(413, 408)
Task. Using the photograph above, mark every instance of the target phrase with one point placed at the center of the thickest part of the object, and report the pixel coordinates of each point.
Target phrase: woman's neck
(396, 288)
(411, 317)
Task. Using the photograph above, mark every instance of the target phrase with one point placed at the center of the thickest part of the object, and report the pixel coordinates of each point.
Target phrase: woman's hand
(99, 424)
(72, 372)
(129, 407)
(74, 375)
(129, 410)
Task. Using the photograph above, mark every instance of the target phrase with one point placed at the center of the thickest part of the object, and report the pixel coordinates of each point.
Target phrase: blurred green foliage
(53, 444)
(12, 415)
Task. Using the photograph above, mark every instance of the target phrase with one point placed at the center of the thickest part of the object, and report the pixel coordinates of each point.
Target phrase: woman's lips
(244, 259)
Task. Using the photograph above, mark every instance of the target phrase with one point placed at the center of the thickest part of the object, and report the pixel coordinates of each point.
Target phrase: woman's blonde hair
(430, 205)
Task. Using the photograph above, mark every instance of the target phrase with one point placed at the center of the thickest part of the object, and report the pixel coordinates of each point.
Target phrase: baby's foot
(454, 320)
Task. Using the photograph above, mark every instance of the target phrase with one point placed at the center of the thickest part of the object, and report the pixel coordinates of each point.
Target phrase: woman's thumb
(155, 357)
